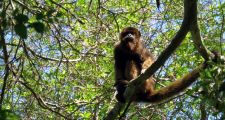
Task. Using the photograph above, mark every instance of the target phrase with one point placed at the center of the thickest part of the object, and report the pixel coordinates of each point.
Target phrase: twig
(39, 99)
(80, 21)
(43, 57)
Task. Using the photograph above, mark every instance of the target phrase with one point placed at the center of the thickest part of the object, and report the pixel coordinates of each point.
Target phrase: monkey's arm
(119, 67)
(119, 77)
(120, 80)
(147, 63)
(148, 60)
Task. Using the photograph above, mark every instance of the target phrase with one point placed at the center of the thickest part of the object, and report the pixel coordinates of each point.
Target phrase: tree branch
(203, 111)
(195, 33)
(6, 57)
(43, 57)
(40, 100)
(115, 111)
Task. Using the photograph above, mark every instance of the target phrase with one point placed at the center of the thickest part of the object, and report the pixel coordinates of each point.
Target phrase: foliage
(8, 115)
(61, 57)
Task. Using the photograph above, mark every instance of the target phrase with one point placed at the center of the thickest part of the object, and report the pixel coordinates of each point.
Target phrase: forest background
(56, 58)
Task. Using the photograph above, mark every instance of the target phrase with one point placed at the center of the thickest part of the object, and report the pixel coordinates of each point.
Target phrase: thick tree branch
(195, 33)
(115, 111)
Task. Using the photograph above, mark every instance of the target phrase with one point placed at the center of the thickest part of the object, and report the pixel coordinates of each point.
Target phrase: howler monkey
(131, 58)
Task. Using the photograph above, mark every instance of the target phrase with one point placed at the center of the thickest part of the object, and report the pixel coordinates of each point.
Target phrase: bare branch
(40, 100)
(46, 58)
(195, 32)
(6, 57)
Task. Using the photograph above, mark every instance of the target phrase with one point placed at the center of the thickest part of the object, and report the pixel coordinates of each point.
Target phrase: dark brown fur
(131, 58)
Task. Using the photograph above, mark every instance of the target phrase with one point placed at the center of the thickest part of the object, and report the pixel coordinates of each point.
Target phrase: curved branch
(40, 100)
(199, 45)
(195, 32)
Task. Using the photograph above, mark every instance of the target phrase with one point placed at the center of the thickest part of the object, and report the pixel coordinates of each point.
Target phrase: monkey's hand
(121, 82)
(121, 87)
(142, 71)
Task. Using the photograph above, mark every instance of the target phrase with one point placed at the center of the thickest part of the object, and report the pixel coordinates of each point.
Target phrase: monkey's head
(130, 38)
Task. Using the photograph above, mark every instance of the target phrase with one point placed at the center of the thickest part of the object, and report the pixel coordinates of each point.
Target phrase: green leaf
(40, 16)
(50, 20)
(50, 12)
(20, 18)
(38, 26)
(8, 115)
(4, 23)
(59, 14)
(21, 30)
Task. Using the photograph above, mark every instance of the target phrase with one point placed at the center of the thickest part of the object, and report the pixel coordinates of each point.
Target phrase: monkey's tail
(175, 87)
